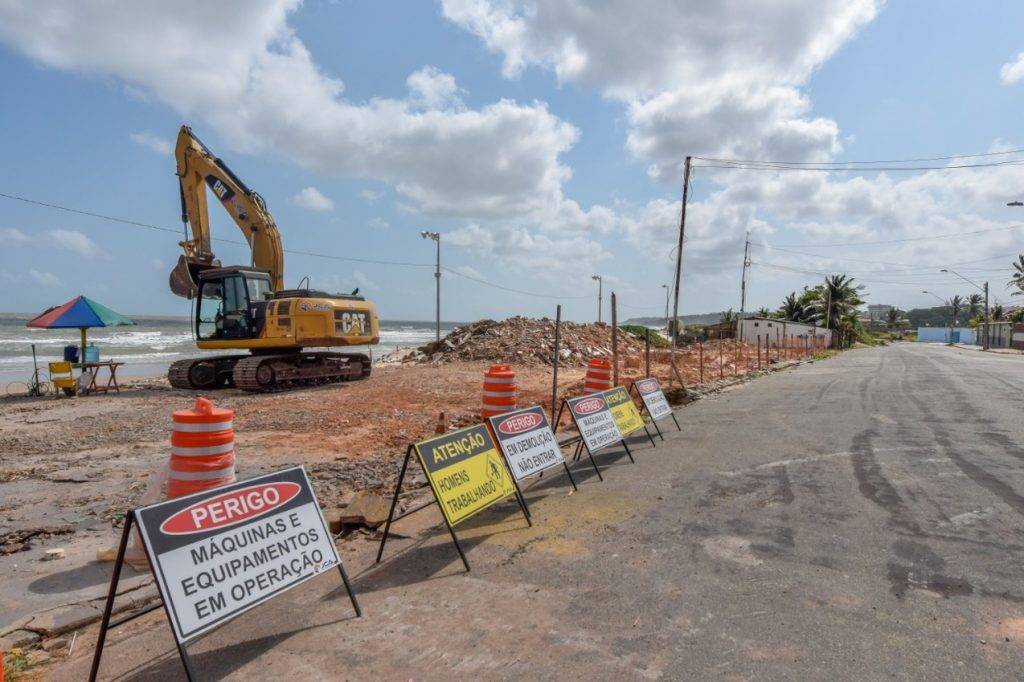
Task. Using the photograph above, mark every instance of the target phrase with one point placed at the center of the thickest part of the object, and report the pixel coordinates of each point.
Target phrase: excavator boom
(198, 169)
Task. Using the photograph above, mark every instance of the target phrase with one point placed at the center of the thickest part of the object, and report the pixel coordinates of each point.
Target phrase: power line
(311, 254)
(912, 268)
(824, 163)
(950, 235)
(511, 289)
(770, 166)
(869, 280)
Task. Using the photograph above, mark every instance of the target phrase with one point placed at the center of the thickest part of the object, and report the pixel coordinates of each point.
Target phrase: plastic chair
(62, 379)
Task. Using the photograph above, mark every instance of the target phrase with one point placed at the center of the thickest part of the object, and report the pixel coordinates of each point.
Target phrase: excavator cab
(231, 303)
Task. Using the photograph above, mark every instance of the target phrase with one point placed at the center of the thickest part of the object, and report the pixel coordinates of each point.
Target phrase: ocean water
(150, 346)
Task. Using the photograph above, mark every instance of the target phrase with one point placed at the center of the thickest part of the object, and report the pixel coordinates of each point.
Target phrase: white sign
(219, 553)
(595, 421)
(653, 397)
(526, 439)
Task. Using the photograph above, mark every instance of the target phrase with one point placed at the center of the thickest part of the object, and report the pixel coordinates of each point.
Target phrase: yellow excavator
(247, 307)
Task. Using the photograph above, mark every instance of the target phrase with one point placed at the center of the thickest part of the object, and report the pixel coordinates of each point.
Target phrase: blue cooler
(70, 353)
(92, 353)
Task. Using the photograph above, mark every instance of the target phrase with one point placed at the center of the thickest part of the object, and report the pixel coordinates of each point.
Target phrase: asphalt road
(858, 517)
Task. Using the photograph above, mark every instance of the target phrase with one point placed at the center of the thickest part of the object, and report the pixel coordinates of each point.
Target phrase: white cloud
(244, 72)
(9, 235)
(378, 224)
(75, 241)
(371, 196)
(697, 78)
(43, 278)
(310, 198)
(1013, 72)
(468, 271)
(158, 144)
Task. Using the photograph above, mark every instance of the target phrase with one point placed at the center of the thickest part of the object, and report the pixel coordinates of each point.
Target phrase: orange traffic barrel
(500, 391)
(202, 449)
(599, 376)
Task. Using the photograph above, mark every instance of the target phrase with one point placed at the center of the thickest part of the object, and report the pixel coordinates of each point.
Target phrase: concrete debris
(53, 554)
(367, 509)
(525, 341)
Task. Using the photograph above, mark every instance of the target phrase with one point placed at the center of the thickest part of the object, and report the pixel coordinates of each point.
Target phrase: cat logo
(353, 323)
(223, 192)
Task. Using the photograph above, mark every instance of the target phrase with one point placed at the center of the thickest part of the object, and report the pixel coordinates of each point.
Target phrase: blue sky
(544, 142)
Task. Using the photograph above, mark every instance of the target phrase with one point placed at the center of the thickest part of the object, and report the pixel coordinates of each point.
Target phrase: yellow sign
(465, 471)
(623, 410)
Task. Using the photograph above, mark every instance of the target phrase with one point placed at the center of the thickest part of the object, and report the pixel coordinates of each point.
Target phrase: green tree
(997, 313)
(975, 304)
(792, 308)
(1017, 279)
(956, 306)
(730, 316)
(836, 299)
(894, 319)
(763, 312)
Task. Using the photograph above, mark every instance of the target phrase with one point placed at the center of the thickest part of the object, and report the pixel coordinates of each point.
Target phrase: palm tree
(894, 318)
(792, 308)
(730, 316)
(955, 305)
(837, 298)
(997, 313)
(974, 306)
(764, 312)
(1017, 280)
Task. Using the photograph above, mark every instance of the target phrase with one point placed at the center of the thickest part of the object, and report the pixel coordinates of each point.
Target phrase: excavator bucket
(183, 278)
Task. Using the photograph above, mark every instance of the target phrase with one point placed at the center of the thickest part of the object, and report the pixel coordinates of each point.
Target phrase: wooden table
(93, 387)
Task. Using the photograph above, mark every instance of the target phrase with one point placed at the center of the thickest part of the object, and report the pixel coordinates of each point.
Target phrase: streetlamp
(984, 340)
(436, 236)
(600, 282)
(944, 304)
(667, 289)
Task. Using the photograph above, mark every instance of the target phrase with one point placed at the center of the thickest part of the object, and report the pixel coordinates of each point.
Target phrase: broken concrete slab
(63, 619)
(367, 509)
(19, 639)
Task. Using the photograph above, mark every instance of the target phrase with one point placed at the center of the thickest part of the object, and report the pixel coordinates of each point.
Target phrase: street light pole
(984, 289)
(436, 236)
(600, 283)
(945, 303)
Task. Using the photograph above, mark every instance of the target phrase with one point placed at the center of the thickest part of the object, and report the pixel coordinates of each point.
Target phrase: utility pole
(600, 282)
(984, 340)
(984, 289)
(679, 253)
(436, 236)
(742, 288)
(743, 280)
(667, 289)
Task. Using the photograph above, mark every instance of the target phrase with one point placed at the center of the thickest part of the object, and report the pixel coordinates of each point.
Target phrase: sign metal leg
(676, 421)
(568, 473)
(462, 555)
(348, 588)
(625, 445)
(593, 463)
(394, 503)
(650, 437)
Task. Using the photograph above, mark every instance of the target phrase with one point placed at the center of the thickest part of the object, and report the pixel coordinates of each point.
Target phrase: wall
(941, 335)
(793, 333)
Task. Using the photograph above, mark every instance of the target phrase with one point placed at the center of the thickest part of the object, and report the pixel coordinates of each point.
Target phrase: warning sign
(653, 397)
(594, 421)
(219, 553)
(623, 410)
(465, 471)
(527, 441)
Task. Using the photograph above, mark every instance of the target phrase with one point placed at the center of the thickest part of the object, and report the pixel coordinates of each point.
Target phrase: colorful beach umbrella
(79, 313)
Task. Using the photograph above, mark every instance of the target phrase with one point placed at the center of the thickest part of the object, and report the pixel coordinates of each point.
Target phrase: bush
(639, 331)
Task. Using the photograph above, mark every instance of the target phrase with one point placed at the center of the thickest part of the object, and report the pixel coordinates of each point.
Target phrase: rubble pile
(526, 341)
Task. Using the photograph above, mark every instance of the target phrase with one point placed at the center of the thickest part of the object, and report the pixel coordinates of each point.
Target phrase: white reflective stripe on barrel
(182, 451)
(598, 371)
(201, 475)
(499, 380)
(498, 408)
(498, 394)
(203, 428)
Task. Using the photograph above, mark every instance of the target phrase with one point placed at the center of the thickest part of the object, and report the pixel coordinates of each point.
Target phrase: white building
(877, 312)
(777, 332)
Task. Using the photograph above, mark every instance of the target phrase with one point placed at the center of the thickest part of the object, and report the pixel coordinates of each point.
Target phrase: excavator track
(203, 373)
(264, 373)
